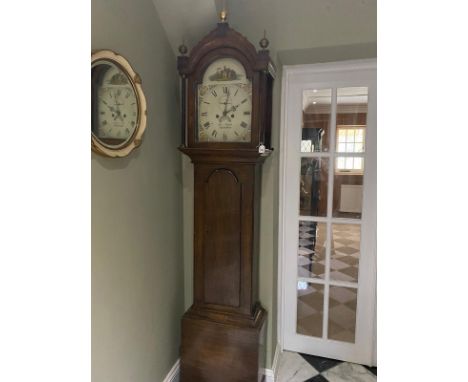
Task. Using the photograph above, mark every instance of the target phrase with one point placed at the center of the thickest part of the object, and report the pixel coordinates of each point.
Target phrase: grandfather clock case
(223, 332)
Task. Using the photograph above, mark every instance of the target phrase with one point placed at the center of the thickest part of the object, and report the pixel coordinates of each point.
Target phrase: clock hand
(225, 111)
(119, 114)
(233, 108)
(116, 110)
(107, 105)
(222, 117)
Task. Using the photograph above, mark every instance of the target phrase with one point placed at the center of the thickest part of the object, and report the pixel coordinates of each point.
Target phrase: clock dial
(114, 104)
(225, 103)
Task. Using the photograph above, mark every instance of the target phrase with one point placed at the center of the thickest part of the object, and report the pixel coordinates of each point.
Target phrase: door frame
(288, 72)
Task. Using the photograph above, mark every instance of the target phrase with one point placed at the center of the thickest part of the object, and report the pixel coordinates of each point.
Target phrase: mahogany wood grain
(213, 351)
(224, 235)
(221, 240)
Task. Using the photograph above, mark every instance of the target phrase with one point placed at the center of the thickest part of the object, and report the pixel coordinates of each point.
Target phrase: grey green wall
(269, 227)
(137, 262)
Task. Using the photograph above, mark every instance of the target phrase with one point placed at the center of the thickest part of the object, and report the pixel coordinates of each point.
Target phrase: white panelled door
(328, 210)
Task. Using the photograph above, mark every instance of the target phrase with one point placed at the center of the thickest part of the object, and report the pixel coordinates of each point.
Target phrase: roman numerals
(224, 111)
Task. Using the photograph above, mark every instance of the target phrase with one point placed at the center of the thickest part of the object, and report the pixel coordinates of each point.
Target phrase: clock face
(114, 114)
(225, 103)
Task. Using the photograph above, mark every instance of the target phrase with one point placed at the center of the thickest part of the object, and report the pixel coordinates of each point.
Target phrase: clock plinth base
(214, 351)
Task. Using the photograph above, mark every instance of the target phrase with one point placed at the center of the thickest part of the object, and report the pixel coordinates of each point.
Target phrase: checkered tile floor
(345, 251)
(344, 267)
(295, 367)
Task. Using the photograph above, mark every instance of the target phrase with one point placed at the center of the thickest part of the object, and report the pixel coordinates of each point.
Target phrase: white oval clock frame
(135, 140)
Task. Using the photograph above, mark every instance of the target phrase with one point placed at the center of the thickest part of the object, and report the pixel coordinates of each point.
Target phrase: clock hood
(221, 38)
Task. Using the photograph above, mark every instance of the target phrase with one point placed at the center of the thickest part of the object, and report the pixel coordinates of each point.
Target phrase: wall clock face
(116, 113)
(117, 105)
(225, 103)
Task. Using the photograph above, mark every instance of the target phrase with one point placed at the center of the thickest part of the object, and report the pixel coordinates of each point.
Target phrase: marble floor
(295, 367)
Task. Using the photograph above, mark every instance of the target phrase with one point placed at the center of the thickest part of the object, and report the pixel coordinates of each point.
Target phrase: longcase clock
(226, 124)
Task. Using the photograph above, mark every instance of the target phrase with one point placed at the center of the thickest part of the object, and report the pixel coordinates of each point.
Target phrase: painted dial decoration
(225, 103)
(114, 104)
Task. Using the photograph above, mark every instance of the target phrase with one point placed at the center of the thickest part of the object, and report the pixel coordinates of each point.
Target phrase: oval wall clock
(118, 105)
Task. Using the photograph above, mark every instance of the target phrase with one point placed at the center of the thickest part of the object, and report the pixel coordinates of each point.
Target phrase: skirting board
(270, 374)
(173, 375)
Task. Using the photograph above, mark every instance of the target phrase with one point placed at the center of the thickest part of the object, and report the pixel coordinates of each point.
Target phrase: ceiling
(292, 26)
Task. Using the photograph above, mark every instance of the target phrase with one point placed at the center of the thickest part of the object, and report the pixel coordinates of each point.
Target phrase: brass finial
(223, 16)
(264, 41)
(183, 48)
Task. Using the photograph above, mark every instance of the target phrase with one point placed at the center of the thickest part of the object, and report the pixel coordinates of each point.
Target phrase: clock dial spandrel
(225, 103)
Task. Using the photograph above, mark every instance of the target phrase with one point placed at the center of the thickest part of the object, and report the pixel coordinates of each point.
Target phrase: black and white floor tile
(295, 367)
(345, 251)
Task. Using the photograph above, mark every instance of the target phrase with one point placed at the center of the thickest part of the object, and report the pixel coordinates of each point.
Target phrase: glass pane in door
(351, 106)
(309, 308)
(316, 108)
(351, 123)
(311, 251)
(342, 313)
(347, 194)
(314, 186)
(345, 251)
